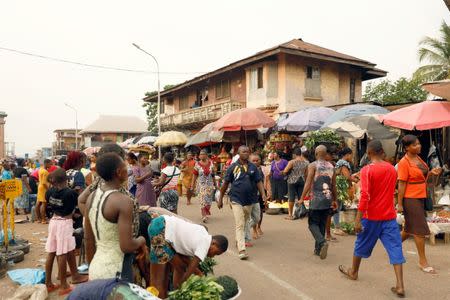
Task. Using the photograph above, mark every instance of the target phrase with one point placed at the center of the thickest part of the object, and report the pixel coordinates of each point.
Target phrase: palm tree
(437, 53)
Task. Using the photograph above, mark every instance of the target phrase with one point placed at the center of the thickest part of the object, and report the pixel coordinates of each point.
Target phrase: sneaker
(243, 255)
(323, 251)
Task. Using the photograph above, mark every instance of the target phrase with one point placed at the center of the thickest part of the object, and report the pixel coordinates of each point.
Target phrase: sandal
(400, 295)
(52, 288)
(344, 271)
(66, 291)
(243, 255)
(290, 218)
(428, 270)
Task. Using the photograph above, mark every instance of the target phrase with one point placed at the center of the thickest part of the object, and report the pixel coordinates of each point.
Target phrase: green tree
(151, 109)
(403, 90)
(437, 53)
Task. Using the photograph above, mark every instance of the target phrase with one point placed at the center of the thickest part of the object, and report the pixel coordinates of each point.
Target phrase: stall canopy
(205, 137)
(439, 88)
(354, 110)
(359, 126)
(244, 119)
(421, 116)
(307, 119)
(171, 138)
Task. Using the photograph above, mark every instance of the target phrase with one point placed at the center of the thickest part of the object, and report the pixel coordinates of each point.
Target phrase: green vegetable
(322, 136)
(230, 287)
(198, 288)
(342, 186)
(348, 227)
(207, 265)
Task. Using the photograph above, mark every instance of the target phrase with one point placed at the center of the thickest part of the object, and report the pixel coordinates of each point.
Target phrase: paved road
(282, 265)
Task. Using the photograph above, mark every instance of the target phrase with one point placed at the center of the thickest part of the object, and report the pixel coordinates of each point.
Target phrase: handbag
(158, 189)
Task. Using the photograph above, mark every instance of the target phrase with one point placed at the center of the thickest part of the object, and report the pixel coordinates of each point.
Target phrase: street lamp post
(76, 123)
(158, 106)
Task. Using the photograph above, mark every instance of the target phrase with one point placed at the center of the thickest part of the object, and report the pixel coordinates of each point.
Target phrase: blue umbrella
(354, 110)
(307, 119)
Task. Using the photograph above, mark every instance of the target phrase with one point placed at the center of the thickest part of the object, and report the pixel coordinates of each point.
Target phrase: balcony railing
(204, 114)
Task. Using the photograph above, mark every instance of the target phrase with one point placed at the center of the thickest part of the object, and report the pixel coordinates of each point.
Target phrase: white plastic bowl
(237, 295)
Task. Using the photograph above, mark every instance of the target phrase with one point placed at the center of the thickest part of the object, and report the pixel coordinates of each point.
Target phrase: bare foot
(255, 235)
(76, 279)
(399, 292)
(259, 231)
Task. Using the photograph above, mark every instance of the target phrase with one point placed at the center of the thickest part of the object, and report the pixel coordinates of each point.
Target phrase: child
(60, 242)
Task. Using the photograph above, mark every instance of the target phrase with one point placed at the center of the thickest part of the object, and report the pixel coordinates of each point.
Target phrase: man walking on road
(245, 182)
(321, 181)
(376, 217)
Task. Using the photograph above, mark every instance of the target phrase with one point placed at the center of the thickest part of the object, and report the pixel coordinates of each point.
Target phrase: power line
(61, 60)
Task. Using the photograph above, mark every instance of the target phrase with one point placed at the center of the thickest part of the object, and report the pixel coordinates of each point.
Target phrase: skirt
(415, 217)
(60, 236)
(279, 189)
(161, 252)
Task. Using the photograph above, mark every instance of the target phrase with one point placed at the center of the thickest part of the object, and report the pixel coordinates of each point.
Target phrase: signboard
(10, 189)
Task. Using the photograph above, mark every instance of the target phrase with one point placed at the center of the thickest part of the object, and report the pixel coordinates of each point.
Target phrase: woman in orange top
(187, 170)
(413, 173)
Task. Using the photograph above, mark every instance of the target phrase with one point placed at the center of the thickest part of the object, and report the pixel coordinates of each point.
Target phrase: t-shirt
(409, 172)
(322, 195)
(377, 191)
(75, 179)
(43, 175)
(243, 180)
(62, 202)
(277, 167)
(6, 175)
(169, 171)
(187, 238)
(18, 172)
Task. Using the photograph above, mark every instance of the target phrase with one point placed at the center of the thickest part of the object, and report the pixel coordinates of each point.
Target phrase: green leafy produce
(198, 288)
(342, 186)
(322, 136)
(207, 265)
(230, 286)
(348, 227)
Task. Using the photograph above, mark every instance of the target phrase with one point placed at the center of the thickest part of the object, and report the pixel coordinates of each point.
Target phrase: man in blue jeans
(376, 217)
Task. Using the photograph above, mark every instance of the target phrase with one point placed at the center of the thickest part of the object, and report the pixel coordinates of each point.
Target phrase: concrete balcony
(199, 116)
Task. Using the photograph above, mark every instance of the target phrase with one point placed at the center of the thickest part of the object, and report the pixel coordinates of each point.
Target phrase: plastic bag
(27, 276)
(300, 211)
(31, 292)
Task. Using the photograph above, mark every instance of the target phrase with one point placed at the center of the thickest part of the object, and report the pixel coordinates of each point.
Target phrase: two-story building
(281, 79)
(65, 141)
(112, 129)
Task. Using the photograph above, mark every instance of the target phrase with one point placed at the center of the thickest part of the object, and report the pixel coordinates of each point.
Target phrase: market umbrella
(307, 119)
(126, 143)
(149, 139)
(439, 88)
(354, 110)
(171, 138)
(91, 150)
(244, 119)
(421, 116)
(205, 137)
(359, 126)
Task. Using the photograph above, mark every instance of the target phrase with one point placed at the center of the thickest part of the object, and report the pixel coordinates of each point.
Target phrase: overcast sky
(185, 36)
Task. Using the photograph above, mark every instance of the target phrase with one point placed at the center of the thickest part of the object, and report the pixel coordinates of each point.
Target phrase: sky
(187, 38)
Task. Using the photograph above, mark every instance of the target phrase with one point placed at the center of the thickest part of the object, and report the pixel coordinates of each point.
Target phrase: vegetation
(207, 265)
(151, 109)
(401, 91)
(322, 137)
(198, 288)
(436, 51)
(230, 287)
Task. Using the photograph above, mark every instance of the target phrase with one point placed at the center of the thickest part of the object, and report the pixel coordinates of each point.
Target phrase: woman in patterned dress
(205, 182)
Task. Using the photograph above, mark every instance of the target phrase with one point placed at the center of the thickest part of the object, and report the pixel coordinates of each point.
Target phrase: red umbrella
(421, 116)
(244, 119)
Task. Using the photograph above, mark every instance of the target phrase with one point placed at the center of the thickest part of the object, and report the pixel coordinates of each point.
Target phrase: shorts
(295, 190)
(60, 236)
(161, 252)
(389, 234)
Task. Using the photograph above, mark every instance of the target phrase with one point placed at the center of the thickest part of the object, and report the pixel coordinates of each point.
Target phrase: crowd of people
(127, 207)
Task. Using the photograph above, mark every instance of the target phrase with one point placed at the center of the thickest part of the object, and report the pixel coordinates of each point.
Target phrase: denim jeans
(336, 219)
(255, 216)
(317, 222)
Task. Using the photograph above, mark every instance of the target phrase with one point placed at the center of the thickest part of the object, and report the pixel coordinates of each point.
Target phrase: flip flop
(66, 291)
(289, 218)
(400, 295)
(85, 279)
(52, 288)
(428, 270)
(344, 271)
(243, 255)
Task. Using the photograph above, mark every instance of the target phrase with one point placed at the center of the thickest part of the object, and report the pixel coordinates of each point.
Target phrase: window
(352, 90)
(256, 78)
(184, 102)
(260, 77)
(312, 85)
(162, 106)
(223, 89)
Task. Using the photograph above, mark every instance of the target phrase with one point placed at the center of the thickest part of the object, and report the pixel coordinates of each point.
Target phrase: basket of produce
(231, 289)
(273, 208)
(285, 208)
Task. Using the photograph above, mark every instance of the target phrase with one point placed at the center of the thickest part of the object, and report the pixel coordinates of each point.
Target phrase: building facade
(281, 79)
(65, 141)
(2, 135)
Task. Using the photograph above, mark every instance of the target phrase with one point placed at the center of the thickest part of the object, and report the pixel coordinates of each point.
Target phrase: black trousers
(317, 222)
